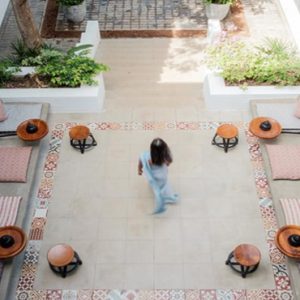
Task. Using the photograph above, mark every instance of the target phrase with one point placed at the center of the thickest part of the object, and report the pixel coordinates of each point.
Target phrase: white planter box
(84, 99)
(217, 96)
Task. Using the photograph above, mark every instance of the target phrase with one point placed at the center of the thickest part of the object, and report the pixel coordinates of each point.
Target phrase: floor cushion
(284, 161)
(14, 163)
(9, 206)
(291, 209)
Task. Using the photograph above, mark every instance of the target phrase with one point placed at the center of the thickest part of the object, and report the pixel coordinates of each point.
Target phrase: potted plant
(75, 10)
(217, 9)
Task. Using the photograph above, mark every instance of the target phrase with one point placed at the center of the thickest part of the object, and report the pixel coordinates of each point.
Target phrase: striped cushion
(8, 210)
(291, 209)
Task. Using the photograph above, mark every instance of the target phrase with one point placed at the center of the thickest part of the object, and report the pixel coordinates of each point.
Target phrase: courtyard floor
(97, 203)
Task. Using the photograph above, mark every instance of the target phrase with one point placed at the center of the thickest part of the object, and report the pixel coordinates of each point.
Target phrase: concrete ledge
(218, 96)
(84, 99)
(13, 267)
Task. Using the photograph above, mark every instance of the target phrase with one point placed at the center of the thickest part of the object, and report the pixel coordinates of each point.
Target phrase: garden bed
(83, 99)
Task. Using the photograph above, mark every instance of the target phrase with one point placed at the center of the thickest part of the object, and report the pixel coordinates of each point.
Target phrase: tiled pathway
(98, 204)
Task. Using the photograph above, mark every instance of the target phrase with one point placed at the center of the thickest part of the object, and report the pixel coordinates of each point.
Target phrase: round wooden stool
(244, 259)
(81, 138)
(63, 259)
(229, 137)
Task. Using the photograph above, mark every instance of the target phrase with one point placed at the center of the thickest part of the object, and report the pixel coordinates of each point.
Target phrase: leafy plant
(219, 1)
(69, 2)
(71, 69)
(272, 63)
(6, 71)
(24, 56)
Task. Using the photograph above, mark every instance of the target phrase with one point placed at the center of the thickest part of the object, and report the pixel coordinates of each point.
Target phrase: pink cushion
(14, 163)
(297, 110)
(3, 115)
(285, 161)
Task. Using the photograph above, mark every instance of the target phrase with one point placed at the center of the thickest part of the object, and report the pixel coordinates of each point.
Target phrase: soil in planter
(253, 83)
(27, 82)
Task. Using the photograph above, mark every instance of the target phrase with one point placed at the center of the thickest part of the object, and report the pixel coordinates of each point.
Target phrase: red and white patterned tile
(192, 295)
(69, 295)
(208, 294)
(54, 294)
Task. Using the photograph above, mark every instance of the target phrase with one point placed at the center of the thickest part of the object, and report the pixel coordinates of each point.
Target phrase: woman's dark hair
(160, 152)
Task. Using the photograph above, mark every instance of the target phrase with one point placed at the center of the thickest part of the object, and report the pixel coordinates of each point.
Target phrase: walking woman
(155, 164)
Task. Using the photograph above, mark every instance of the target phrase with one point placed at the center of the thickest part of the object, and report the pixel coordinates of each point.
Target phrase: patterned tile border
(25, 289)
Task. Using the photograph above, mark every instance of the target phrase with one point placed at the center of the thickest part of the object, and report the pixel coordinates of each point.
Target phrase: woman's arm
(140, 167)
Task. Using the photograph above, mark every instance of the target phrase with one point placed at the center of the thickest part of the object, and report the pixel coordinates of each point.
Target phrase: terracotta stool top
(60, 255)
(19, 244)
(79, 132)
(227, 131)
(254, 128)
(247, 255)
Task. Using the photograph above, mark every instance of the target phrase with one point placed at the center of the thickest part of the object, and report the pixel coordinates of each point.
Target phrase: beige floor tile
(140, 207)
(112, 228)
(141, 252)
(58, 230)
(199, 276)
(86, 229)
(197, 252)
(140, 229)
(110, 276)
(194, 229)
(168, 251)
(197, 207)
(167, 229)
(109, 251)
(113, 207)
(168, 276)
(141, 275)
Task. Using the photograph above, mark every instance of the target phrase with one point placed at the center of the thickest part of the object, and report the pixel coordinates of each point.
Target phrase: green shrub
(273, 63)
(6, 71)
(69, 2)
(23, 56)
(68, 70)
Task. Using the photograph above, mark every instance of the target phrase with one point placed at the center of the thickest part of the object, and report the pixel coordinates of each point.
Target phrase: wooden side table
(23, 130)
(63, 259)
(244, 259)
(283, 243)
(12, 241)
(81, 138)
(228, 134)
(273, 132)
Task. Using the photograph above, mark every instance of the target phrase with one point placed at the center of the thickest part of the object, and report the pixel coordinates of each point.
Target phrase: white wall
(291, 10)
(3, 8)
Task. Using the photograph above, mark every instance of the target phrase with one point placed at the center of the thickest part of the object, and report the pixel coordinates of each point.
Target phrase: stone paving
(142, 14)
